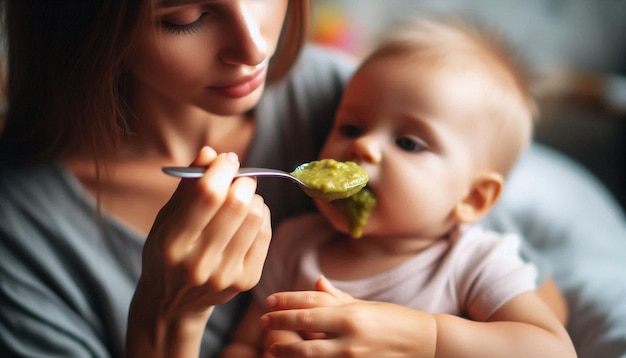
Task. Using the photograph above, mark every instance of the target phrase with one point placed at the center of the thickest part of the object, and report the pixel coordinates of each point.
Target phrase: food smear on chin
(357, 209)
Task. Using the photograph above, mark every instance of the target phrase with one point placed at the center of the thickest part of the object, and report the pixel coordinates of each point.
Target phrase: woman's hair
(293, 37)
(66, 74)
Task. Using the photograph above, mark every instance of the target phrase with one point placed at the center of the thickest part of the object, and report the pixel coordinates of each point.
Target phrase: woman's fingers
(256, 234)
(310, 348)
(208, 193)
(232, 267)
(207, 244)
(193, 205)
(222, 232)
(211, 238)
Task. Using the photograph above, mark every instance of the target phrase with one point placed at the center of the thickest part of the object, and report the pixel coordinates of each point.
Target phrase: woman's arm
(208, 243)
(522, 327)
(246, 340)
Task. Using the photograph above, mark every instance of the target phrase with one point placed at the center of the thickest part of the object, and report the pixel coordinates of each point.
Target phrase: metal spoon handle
(263, 172)
(198, 172)
(185, 172)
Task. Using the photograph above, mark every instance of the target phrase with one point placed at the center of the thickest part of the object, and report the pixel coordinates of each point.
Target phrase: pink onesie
(471, 273)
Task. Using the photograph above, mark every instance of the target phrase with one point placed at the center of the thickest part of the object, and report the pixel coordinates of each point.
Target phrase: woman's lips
(244, 87)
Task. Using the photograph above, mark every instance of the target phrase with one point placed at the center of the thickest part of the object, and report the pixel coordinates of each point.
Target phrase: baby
(437, 115)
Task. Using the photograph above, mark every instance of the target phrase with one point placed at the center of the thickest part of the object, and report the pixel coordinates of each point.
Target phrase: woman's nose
(246, 44)
(366, 148)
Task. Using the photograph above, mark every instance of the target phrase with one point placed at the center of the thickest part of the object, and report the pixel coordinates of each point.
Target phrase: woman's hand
(207, 244)
(345, 326)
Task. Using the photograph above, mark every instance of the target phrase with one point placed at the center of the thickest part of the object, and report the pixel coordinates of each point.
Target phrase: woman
(101, 96)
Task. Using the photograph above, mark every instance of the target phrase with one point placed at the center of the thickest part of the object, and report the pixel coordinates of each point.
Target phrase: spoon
(325, 194)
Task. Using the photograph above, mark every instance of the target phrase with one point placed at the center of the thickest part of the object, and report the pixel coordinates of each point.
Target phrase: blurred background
(577, 49)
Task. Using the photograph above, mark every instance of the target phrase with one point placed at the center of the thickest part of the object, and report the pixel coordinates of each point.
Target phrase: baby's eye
(410, 145)
(350, 130)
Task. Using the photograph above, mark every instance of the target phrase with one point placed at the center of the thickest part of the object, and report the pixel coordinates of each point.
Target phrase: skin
(424, 132)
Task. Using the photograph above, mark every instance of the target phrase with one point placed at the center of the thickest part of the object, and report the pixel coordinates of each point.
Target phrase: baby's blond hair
(470, 45)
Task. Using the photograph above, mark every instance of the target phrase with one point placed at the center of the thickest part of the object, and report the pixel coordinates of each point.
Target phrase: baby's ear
(481, 197)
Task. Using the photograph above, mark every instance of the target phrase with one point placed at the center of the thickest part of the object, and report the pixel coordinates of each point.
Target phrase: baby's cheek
(334, 217)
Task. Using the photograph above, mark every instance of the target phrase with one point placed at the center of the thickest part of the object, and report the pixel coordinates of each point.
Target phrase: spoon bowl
(342, 193)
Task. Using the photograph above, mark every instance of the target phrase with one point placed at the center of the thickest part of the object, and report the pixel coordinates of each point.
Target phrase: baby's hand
(346, 326)
(276, 336)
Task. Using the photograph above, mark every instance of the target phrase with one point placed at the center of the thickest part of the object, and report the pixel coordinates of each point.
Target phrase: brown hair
(66, 75)
(293, 37)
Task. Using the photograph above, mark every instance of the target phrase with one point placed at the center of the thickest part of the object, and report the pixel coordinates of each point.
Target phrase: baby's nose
(367, 149)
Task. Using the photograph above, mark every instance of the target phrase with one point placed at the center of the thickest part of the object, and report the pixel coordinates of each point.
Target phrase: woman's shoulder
(312, 88)
(321, 66)
(41, 200)
(52, 250)
(29, 183)
(41, 187)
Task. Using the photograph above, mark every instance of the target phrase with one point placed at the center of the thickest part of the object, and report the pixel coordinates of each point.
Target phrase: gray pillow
(576, 232)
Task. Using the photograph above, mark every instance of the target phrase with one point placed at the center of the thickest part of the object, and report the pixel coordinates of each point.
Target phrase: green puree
(357, 209)
(342, 183)
(331, 179)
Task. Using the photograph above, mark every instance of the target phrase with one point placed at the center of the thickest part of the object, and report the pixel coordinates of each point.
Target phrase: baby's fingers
(312, 320)
(324, 285)
(309, 348)
(301, 299)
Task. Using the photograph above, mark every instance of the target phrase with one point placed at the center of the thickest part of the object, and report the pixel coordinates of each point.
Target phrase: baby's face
(419, 132)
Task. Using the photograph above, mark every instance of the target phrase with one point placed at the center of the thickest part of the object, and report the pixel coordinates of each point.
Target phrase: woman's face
(209, 54)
